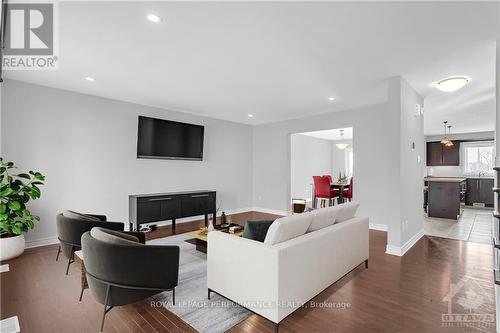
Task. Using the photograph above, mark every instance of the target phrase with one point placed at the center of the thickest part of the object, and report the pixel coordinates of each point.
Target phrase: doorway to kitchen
(327, 158)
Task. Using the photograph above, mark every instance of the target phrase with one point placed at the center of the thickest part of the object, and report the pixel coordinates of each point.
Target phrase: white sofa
(293, 265)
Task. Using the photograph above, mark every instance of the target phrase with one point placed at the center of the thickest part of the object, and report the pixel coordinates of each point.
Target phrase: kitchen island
(444, 196)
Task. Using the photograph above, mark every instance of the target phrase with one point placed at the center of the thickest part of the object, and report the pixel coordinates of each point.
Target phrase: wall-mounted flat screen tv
(165, 139)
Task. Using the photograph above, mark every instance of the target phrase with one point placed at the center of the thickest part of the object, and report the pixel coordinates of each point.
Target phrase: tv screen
(165, 139)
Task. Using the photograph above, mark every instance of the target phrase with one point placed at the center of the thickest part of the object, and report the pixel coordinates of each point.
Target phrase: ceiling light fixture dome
(154, 18)
(452, 84)
(342, 146)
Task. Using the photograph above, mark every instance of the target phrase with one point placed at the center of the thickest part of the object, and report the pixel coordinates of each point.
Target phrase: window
(349, 159)
(478, 157)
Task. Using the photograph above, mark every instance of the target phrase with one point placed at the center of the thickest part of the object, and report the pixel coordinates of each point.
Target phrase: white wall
(86, 147)
(376, 146)
(382, 139)
(309, 157)
(412, 164)
(338, 158)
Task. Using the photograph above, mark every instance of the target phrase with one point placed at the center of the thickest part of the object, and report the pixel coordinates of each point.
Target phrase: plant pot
(11, 247)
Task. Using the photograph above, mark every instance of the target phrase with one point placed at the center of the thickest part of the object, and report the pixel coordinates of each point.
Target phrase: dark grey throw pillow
(257, 229)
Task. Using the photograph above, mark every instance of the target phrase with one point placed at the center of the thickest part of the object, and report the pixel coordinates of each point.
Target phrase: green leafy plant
(16, 189)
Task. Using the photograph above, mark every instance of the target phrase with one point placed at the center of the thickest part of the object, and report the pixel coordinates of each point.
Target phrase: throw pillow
(78, 216)
(113, 237)
(348, 211)
(288, 227)
(257, 230)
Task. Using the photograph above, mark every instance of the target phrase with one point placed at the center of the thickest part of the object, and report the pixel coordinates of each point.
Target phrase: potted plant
(16, 190)
(342, 180)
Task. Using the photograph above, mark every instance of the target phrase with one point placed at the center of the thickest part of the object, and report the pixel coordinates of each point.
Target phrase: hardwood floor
(395, 294)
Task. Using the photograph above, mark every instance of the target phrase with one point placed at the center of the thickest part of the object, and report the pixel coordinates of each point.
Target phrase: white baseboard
(41, 242)
(54, 240)
(379, 227)
(400, 251)
(271, 211)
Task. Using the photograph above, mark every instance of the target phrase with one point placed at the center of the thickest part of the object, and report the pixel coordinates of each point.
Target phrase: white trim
(271, 211)
(53, 240)
(400, 251)
(41, 242)
(379, 227)
(10, 325)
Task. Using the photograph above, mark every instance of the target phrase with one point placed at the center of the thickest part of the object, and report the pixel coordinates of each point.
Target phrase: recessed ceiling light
(250, 115)
(90, 79)
(331, 98)
(154, 18)
(451, 84)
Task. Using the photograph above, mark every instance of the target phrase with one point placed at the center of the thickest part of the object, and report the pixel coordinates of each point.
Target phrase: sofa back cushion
(113, 237)
(78, 216)
(257, 230)
(348, 211)
(288, 227)
(324, 217)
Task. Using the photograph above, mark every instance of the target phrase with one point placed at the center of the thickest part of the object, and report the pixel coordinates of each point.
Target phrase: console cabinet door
(198, 204)
(149, 211)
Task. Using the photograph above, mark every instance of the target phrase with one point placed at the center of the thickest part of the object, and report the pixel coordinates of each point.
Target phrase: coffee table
(201, 241)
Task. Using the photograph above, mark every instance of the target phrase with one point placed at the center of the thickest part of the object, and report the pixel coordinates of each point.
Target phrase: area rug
(191, 303)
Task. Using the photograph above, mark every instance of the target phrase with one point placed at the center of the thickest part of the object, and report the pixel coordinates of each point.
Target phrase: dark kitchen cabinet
(451, 155)
(439, 154)
(479, 190)
(434, 154)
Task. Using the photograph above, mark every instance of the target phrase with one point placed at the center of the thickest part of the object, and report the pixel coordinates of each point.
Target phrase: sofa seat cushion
(348, 211)
(79, 216)
(257, 230)
(324, 217)
(113, 237)
(288, 227)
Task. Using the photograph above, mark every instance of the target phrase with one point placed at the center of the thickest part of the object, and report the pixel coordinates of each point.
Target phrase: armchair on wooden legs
(71, 226)
(121, 270)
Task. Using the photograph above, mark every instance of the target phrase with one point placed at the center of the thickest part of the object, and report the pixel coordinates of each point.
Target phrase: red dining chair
(329, 178)
(348, 192)
(323, 190)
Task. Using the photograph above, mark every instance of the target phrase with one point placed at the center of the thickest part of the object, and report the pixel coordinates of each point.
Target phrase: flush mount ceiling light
(331, 98)
(452, 84)
(250, 116)
(342, 146)
(154, 18)
(90, 79)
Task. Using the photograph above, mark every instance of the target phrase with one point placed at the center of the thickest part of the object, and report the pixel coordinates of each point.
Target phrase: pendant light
(342, 146)
(445, 141)
(449, 143)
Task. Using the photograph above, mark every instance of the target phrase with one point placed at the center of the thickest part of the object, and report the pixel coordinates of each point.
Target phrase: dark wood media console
(148, 208)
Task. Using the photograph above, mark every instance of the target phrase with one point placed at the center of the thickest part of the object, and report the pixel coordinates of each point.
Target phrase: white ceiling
(331, 135)
(278, 60)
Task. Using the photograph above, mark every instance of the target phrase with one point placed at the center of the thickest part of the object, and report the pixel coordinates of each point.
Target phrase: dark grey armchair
(70, 231)
(124, 272)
